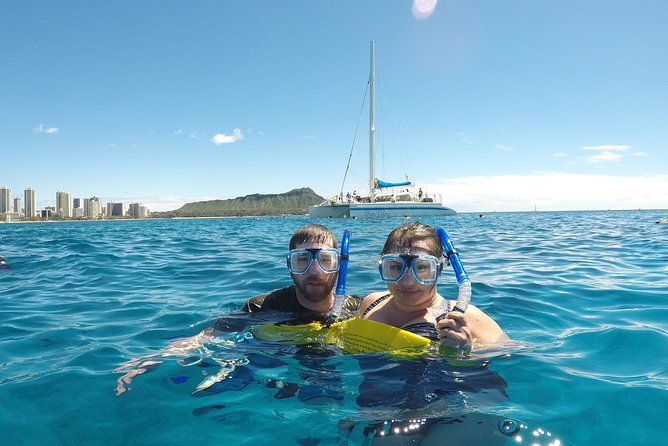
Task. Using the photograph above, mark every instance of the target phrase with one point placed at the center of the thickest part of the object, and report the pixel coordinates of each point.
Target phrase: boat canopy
(381, 184)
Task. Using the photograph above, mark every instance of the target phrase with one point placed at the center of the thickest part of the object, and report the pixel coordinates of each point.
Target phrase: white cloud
(608, 153)
(553, 191)
(604, 157)
(194, 134)
(422, 9)
(221, 138)
(177, 132)
(608, 148)
(561, 155)
(48, 130)
(505, 148)
(308, 137)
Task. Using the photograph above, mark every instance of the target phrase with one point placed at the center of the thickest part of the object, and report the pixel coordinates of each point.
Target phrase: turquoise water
(583, 294)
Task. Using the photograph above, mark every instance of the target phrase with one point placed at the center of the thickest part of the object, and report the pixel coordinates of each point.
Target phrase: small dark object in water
(180, 379)
(3, 263)
(206, 409)
(308, 441)
(205, 364)
(287, 390)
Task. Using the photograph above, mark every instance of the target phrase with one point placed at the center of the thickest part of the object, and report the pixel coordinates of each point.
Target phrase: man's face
(314, 284)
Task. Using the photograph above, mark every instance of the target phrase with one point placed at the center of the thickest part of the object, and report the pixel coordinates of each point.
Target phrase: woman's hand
(454, 332)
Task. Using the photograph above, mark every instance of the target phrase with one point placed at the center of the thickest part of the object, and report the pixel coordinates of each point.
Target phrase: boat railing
(434, 198)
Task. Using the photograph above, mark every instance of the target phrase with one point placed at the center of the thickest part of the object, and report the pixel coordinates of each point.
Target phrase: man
(313, 263)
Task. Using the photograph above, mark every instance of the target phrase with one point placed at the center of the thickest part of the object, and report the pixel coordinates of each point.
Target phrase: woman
(411, 262)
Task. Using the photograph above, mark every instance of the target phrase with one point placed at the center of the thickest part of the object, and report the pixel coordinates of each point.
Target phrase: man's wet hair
(408, 234)
(313, 233)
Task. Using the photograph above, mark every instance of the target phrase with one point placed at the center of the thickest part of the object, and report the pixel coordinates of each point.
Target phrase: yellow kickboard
(352, 336)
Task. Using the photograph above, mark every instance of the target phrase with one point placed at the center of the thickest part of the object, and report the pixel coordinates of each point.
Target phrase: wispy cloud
(505, 148)
(308, 137)
(221, 138)
(177, 132)
(422, 9)
(44, 129)
(464, 137)
(608, 148)
(607, 153)
(194, 134)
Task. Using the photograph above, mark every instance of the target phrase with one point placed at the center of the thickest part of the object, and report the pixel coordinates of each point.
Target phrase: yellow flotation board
(352, 335)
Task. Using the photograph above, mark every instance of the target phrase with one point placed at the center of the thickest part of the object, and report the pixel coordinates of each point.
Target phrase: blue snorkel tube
(340, 293)
(464, 296)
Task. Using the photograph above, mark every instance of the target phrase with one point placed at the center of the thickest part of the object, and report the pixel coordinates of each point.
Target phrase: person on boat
(313, 263)
(410, 263)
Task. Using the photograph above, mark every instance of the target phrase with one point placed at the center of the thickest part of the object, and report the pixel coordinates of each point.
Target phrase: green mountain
(295, 202)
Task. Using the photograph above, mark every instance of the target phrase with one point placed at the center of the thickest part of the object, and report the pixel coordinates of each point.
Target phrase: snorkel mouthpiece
(340, 293)
(464, 295)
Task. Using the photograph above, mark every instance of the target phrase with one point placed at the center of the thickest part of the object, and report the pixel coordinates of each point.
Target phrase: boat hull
(379, 210)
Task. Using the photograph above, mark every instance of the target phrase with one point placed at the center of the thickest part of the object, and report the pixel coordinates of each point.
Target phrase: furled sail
(381, 184)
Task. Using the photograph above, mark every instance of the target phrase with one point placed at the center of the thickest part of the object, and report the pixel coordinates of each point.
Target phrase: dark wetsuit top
(285, 300)
(424, 329)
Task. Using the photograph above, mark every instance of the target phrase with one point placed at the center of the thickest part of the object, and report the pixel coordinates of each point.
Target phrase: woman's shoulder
(369, 300)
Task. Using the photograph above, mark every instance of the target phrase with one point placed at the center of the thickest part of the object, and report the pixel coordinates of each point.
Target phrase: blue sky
(497, 105)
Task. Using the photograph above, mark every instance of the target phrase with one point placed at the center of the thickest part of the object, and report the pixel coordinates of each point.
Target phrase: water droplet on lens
(508, 427)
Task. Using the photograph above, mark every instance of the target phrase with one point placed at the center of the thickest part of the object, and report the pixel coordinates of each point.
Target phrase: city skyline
(67, 206)
(497, 106)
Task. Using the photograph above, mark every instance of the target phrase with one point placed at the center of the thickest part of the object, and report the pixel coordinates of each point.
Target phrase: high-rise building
(30, 199)
(137, 210)
(5, 200)
(64, 204)
(76, 203)
(17, 206)
(91, 207)
(115, 209)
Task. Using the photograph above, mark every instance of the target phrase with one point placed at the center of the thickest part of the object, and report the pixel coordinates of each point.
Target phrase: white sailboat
(384, 199)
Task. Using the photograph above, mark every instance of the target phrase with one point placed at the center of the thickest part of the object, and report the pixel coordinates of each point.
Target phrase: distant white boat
(384, 199)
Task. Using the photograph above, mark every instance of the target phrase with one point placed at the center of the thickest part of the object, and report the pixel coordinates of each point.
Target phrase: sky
(497, 105)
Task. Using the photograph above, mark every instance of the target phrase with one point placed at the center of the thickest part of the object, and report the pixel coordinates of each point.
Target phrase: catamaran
(384, 199)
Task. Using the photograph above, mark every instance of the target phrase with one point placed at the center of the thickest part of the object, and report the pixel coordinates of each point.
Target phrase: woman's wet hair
(408, 234)
(312, 233)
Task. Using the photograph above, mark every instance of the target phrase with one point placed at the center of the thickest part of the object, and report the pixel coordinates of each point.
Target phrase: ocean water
(583, 295)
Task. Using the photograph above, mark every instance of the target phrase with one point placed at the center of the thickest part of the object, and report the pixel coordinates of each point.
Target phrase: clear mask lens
(299, 260)
(393, 267)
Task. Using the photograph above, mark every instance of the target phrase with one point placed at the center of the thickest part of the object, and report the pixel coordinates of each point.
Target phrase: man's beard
(327, 286)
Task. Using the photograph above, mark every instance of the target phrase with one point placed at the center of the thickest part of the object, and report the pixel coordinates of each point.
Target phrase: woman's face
(408, 293)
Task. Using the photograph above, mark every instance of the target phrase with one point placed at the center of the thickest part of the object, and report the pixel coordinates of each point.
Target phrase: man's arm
(179, 347)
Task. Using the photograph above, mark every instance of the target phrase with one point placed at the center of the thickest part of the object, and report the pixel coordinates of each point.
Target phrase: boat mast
(372, 119)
